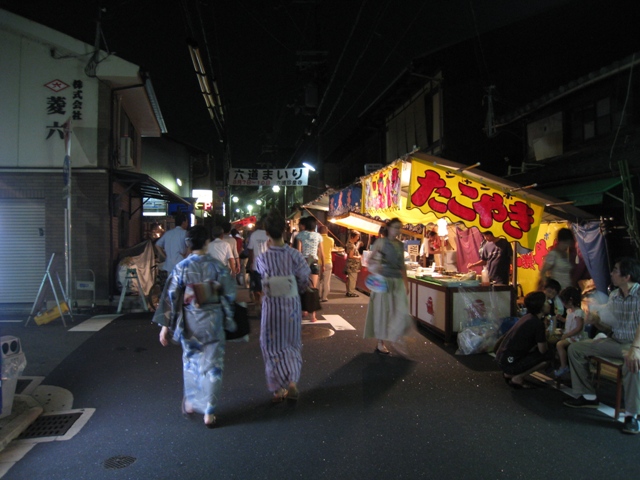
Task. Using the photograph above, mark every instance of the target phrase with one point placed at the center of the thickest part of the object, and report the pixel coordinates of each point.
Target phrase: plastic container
(13, 364)
(485, 277)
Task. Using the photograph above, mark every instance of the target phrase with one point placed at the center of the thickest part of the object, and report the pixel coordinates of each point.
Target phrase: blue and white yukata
(280, 333)
(201, 330)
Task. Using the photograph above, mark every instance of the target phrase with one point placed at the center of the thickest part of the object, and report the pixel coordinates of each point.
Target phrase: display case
(440, 306)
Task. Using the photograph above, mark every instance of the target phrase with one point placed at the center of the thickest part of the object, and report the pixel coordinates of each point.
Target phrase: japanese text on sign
(447, 193)
(58, 104)
(284, 177)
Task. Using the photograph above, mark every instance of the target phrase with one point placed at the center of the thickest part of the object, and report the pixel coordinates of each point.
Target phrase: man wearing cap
(496, 254)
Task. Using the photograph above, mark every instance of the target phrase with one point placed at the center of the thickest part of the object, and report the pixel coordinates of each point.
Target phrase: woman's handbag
(241, 317)
(310, 300)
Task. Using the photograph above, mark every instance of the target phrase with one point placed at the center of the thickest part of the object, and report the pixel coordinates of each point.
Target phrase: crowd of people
(534, 344)
(280, 272)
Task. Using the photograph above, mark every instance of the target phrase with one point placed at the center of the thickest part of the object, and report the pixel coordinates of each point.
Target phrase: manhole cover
(314, 333)
(120, 461)
(50, 425)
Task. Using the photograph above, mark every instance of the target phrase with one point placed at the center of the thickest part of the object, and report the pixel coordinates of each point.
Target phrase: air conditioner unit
(371, 167)
(125, 158)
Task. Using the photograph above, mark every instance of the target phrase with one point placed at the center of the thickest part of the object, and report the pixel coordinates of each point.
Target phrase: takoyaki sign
(462, 198)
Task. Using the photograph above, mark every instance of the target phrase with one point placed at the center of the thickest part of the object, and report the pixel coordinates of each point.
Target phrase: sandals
(352, 295)
(279, 395)
(293, 393)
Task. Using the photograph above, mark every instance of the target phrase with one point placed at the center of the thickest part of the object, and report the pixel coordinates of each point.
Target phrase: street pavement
(433, 414)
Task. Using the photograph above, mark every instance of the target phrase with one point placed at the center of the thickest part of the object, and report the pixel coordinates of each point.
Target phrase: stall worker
(496, 254)
(430, 246)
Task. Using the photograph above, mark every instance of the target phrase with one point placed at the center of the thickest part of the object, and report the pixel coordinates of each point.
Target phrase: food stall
(429, 190)
(460, 202)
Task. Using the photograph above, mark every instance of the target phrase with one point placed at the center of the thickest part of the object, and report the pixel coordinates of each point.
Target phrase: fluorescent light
(276, 188)
(179, 182)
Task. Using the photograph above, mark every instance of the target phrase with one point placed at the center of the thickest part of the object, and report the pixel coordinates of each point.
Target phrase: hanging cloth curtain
(469, 242)
(594, 252)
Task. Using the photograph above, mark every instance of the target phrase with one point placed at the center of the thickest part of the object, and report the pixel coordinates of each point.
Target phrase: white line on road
(94, 323)
(336, 321)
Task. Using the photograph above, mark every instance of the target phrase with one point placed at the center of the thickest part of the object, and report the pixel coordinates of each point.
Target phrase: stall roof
(322, 202)
(585, 193)
(147, 186)
(555, 209)
(361, 223)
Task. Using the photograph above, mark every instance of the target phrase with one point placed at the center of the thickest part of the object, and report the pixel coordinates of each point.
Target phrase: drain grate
(120, 461)
(51, 425)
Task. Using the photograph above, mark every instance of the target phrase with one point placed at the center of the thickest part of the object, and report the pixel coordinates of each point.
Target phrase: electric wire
(355, 66)
(375, 75)
(339, 62)
(241, 3)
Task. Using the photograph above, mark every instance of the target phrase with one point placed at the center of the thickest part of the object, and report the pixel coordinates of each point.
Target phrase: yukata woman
(200, 328)
(285, 274)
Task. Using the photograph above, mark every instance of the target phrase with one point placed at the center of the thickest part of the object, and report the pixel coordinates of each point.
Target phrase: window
(591, 120)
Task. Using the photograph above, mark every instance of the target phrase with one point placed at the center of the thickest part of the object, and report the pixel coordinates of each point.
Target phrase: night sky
(254, 47)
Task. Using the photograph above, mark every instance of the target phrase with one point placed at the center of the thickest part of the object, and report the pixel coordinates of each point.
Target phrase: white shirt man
(221, 250)
(173, 243)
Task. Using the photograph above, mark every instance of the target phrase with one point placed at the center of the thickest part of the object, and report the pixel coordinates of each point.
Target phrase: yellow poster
(529, 265)
(462, 198)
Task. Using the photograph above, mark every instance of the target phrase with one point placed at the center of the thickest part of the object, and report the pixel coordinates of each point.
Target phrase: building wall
(39, 92)
(90, 219)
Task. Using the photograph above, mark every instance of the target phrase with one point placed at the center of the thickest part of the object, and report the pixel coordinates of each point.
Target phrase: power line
(374, 76)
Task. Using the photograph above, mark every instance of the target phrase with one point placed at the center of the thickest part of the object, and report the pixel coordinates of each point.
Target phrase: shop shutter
(22, 249)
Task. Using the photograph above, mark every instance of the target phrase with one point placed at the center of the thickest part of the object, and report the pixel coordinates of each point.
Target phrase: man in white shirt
(220, 250)
(227, 237)
(173, 243)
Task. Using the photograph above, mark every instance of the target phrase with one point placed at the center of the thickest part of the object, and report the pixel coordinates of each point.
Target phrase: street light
(234, 199)
(276, 188)
(258, 202)
(309, 166)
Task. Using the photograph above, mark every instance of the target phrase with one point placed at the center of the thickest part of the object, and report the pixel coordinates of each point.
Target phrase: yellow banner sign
(461, 198)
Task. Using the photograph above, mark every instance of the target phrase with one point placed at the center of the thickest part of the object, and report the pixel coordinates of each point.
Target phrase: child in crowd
(551, 291)
(573, 327)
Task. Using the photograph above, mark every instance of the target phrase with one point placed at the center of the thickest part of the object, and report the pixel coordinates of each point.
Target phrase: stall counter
(339, 260)
(442, 308)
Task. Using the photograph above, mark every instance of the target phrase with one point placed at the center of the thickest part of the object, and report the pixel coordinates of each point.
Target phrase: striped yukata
(281, 325)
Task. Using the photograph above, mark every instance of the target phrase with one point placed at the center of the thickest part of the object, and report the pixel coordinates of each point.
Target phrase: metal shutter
(22, 249)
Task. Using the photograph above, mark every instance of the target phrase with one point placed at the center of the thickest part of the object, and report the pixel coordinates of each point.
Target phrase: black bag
(310, 300)
(241, 318)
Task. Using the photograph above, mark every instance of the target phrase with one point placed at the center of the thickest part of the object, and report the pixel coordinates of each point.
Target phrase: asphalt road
(360, 415)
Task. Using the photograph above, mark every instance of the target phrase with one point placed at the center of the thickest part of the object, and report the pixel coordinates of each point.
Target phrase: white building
(47, 79)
